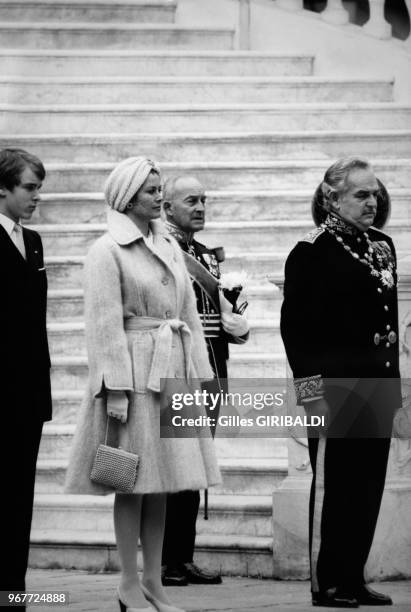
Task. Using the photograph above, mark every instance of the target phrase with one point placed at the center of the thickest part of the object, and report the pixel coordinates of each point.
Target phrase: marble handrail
(334, 13)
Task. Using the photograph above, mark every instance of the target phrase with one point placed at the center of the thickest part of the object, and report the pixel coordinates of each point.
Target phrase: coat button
(386, 307)
(388, 327)
(387, 365)
(164, 280)
(387, 344)
(377, 338)
(392, 337)
(379, 290)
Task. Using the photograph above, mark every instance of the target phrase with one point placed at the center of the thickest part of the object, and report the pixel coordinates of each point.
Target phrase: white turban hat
(126, 179)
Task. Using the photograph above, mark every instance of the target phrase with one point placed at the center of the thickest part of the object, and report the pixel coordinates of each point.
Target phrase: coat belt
(162, 346)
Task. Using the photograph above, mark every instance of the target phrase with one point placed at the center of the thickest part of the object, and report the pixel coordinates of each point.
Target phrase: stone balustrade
(334, 13)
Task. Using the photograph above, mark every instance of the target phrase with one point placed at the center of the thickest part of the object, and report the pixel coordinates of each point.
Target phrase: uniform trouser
(180, 530)
(18, 456)
(347, 487)
(182, 507)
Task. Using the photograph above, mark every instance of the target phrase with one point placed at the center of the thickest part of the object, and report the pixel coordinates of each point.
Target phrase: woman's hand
(117, 405)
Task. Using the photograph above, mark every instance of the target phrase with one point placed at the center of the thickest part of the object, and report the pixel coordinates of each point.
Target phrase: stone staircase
(84, 85)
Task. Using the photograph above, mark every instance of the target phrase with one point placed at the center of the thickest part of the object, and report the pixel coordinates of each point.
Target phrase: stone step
(134, 118)
(103, 35)
(135, 11)
(68, 338)
(149, 90)
(232, 555)
(221, 206)
(66, 272)
(229, 175)
(57, 438)
(216, 146)
(66, 405)
(234, 235)
(71, 372)
(76, 119)
(66, 305)
(245, 515)
(140, 63)
(240, 477)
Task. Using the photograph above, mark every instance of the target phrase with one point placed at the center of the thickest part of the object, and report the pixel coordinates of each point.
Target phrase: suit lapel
(32, 254)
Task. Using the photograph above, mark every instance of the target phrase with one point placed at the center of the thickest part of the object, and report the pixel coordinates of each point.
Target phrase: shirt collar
(122, 229)
(7, 223)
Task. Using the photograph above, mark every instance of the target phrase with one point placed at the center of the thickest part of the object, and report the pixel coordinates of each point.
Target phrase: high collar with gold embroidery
(179, 234)
(339, 225)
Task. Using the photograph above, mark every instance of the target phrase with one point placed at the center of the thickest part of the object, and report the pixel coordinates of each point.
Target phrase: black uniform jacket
(24, 353)
(217, 339)
(336, 316)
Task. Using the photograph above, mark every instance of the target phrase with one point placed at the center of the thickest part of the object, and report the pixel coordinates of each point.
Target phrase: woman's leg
(152, 534)
(127, 521)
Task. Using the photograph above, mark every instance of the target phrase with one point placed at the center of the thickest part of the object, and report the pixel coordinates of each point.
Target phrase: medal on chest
(377, 257)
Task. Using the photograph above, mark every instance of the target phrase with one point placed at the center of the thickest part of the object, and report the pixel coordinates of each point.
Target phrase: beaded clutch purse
(115, 468)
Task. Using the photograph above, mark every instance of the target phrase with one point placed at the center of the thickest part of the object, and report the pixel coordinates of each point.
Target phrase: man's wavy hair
(335, 180)
(13, 162)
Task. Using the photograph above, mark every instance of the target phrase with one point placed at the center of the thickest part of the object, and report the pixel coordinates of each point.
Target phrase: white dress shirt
(15, 231)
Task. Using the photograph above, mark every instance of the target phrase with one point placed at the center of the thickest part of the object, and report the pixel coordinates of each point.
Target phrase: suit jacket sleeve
(302, 321)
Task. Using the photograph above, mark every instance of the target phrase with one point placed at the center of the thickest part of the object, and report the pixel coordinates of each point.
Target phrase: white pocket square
(40, 269)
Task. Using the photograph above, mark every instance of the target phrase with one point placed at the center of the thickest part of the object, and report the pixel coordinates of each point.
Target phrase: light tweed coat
(125, 277)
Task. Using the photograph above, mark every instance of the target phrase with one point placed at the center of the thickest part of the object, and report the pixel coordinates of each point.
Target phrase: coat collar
(124, 231)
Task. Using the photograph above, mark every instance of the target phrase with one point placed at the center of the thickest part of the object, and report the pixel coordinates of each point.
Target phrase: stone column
(244, 19)
(290, 5)
(377, 25)
(290, 504)
(335, 13)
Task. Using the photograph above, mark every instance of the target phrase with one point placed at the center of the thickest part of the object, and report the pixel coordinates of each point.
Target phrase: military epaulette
(378, 234)
(312, 236)
(218, 252)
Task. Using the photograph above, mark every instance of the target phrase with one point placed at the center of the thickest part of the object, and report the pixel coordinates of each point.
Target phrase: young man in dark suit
(24, 358)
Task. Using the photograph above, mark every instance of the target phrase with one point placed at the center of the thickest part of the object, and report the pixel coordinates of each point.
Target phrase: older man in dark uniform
(339, 324)
(24, 358)
(184, 207)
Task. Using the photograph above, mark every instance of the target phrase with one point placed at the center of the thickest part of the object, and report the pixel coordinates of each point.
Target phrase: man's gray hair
(169, 187)
(335, 179)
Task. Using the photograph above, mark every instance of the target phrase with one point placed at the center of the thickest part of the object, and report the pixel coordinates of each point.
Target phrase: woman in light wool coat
(141, 325)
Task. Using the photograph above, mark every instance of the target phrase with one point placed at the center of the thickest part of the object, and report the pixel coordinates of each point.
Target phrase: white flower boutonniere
(232, 284)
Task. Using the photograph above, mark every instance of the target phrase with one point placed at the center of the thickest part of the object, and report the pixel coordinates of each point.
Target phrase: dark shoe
(173, 576)
(368, 597)
(195, 575)
(335, 598)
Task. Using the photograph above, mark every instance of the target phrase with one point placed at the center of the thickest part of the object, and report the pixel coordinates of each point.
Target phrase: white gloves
(117, 405)
(233, 324)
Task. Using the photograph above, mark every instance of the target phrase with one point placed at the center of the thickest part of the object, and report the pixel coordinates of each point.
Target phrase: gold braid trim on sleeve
(309, 388)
